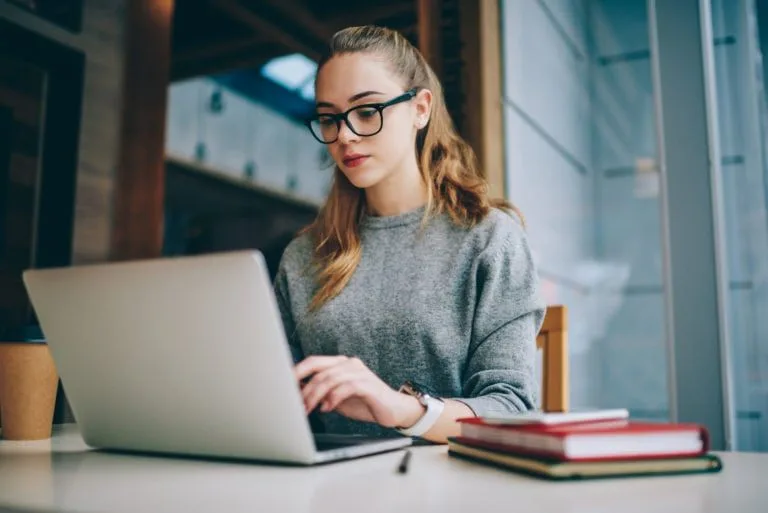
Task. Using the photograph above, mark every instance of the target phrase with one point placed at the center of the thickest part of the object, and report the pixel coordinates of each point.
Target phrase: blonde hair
(448, 166)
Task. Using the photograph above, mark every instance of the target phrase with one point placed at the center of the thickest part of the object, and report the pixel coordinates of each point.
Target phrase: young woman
(413, 299)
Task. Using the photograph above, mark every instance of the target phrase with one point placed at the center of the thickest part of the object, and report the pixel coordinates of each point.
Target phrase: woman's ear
(423, 103)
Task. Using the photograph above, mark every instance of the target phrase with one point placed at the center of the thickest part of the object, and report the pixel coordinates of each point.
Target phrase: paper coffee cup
(28, 386)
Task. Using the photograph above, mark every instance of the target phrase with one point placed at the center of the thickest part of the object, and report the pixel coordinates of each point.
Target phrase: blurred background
(631, 133)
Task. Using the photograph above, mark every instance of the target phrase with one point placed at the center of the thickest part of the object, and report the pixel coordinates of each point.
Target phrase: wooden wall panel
(101, 40)
(430, 15)
(118, 210)
(481, 79)
(40, 96)
(114, 121)
(461, 40)
(137, 225)
(21, 107)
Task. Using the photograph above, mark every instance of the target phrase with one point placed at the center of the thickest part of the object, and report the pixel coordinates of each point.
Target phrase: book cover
(564, 470)
(556, 418)
(591, 441)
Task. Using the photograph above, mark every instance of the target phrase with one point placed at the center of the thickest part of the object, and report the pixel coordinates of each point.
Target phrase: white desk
(63, 474)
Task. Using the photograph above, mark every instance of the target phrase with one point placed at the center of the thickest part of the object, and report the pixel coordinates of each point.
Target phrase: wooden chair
(553, 341)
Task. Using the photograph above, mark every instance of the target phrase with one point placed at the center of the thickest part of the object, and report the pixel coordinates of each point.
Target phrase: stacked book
(587, 444)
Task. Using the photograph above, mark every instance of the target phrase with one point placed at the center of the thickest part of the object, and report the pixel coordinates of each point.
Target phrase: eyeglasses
(364, 120)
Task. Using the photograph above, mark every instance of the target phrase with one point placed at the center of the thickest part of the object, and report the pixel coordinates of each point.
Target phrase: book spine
(514, 439)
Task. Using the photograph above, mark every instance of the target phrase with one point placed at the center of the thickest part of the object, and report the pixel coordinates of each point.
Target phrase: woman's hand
(347, 386)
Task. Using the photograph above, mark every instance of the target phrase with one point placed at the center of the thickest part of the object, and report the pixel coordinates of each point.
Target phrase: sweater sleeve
(282, 294)
(499, 376)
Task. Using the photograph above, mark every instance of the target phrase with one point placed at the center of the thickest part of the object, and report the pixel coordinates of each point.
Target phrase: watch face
(421, 388)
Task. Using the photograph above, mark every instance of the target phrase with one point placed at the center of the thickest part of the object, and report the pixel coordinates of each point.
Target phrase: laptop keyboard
(326, 442)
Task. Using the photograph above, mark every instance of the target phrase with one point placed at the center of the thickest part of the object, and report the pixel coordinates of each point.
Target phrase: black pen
(403, 468)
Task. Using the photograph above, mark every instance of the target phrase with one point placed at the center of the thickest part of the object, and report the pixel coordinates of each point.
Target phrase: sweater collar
(404, 219)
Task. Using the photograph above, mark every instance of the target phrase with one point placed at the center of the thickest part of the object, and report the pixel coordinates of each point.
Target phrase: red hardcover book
(597, 441)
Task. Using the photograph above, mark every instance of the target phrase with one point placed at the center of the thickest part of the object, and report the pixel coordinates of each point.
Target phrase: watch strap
(434, 409)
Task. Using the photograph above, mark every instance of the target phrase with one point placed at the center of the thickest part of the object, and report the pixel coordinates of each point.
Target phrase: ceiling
(215, 36)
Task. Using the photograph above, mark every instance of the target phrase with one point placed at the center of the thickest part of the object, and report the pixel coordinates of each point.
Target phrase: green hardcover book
(570, 470)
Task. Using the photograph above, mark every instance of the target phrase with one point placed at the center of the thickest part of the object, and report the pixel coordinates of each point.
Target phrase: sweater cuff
(492, 405)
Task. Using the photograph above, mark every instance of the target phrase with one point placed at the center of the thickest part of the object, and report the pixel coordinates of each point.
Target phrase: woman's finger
(315, 391)
(328, 366)
(340, 394)
(314, 364)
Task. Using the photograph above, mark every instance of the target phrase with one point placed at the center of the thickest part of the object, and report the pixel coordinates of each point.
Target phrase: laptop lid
(181, 355)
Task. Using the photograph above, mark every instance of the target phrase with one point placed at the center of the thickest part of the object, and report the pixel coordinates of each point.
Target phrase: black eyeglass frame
(344, 116)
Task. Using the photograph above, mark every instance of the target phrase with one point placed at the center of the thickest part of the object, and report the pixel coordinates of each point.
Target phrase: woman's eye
(366, 113)
(326, 121)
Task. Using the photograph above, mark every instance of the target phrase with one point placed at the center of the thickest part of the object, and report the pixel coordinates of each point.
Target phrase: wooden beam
(244, 59)
(215, 49)
(429, 15)
(302, 17)
(373, 14)
(482, 95)
(268, 29)
(137, 215)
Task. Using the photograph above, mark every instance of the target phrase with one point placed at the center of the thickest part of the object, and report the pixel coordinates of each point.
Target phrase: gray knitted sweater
(450, 307)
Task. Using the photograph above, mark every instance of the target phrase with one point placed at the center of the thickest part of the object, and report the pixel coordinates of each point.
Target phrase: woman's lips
(354, 160)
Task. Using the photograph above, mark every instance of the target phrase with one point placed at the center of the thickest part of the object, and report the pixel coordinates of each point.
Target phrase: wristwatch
(429, 400)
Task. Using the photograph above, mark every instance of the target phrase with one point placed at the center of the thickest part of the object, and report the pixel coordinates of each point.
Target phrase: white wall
(283, 150)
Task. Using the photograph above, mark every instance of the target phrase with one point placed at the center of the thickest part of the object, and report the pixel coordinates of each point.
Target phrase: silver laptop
(182, 355)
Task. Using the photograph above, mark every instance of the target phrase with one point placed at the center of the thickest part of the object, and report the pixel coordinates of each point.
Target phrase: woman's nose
(346, 134)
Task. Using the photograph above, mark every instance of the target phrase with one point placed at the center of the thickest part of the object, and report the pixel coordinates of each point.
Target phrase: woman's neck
(402, 191)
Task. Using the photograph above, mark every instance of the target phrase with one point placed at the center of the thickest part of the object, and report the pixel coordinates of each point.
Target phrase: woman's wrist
(408, 410)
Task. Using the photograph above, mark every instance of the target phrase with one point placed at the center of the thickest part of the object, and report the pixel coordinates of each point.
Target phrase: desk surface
(64, 475)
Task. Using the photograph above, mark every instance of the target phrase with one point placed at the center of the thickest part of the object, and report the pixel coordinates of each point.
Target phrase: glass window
(295, 72)
(582, 166)
(742, 126)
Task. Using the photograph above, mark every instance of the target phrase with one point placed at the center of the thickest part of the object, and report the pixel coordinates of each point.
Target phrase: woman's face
(351, 80)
